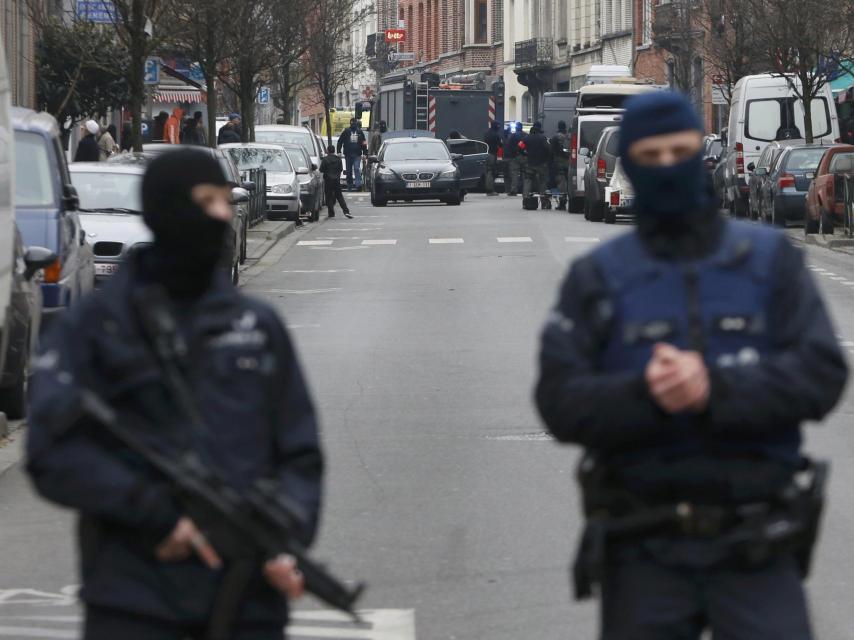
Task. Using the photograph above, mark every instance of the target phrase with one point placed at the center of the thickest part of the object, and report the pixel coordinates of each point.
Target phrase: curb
(834, 244)
(4, 425)
(11, 446)
(272, 233)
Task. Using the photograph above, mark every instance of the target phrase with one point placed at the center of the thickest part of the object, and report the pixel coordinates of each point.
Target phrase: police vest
(718, 305)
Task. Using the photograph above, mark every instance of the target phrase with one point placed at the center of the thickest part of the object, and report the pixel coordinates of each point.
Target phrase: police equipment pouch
(755, 531)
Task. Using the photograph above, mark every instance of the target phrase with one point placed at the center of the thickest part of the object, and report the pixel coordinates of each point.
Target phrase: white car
(283, 185)
(619, 196)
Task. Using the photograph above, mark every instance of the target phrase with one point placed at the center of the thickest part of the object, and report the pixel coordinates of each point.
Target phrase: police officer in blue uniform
(148, 572)
(684, 357)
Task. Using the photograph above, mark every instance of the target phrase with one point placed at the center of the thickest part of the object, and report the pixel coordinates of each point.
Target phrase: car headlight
(449, 173)
(304, 187)
(385, 171)
(283, 189)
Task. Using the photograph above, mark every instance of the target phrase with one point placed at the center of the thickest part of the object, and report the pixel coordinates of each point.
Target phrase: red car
(826, 196)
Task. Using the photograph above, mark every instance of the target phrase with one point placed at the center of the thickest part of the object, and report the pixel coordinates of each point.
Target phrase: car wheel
(378, 202)
(825, 224)
(13, 400)
(315, 212)
(454, 201)
(244, 243)
(810, 225)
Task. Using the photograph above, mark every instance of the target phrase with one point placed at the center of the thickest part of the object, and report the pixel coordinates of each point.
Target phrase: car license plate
(106, 268)
(417, 185)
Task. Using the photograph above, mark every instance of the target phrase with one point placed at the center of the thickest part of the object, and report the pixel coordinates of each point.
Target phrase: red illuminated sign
(395, 35)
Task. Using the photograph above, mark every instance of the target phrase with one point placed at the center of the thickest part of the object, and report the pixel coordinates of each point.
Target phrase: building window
(647, 22)
(527, 107)
(481, 27)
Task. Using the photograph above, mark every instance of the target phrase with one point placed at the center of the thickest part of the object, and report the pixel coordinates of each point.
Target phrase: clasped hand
(677, 380)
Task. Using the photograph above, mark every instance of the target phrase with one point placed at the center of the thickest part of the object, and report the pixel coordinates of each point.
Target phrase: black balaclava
(188, 244)
(674, 205)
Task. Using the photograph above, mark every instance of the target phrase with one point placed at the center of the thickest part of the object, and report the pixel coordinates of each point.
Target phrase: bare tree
(289, 46)
(330, 61)
(679, 31)
(252, 32)
(200, 31)
(804, 41)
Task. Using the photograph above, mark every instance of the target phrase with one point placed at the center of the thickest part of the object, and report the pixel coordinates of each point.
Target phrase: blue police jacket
(260, 423)
(749, 306)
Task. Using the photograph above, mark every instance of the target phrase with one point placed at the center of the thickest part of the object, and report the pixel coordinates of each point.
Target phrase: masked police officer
(684, 357)
(560, 156)
(148, 572)
(535, 148)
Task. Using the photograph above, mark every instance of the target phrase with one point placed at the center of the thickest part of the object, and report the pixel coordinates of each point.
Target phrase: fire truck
(465, 103)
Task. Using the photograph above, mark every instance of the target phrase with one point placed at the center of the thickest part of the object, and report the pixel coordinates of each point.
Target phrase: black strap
(229, 598)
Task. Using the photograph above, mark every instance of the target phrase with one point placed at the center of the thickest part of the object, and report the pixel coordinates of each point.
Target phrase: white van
(765, 109)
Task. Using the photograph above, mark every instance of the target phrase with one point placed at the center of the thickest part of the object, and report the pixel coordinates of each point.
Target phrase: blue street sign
(152, 71)
(196, 72)
(264, 95)
(100, 11)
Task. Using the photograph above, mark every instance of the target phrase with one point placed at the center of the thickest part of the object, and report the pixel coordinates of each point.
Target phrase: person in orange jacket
(172, 130)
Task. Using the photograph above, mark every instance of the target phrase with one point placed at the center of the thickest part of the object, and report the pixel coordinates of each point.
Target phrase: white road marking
(35, 632)
(523, 437)
(446, 241)
(303, 326)
(847, 344)
(302, 291)
(518, 239)
(838, 278)
(377, 242)
(319, 271)
(313, 243)
(355, 229)
(580, 239)
(338, 248)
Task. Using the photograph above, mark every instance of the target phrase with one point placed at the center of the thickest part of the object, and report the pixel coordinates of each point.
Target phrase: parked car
(46, 211)
(765, 108)
(311, 191)
(236, 241)
(415, 169)
(758, 173)
(292, 134)
(719, 173)
(783, 195)
(283, 186)
(619, 195)
(110, 212)
(712, 147)
(825, 204)
(600, 169)
(20, 295)
(587, 128)
(472, 164)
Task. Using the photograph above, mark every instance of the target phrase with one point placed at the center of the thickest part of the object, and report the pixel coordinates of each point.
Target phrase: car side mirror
(455, 157)
(249, 185)
(70, 199)
(373, 159)
(36, 259)
(313, 167)
(761, 171)
(302, 171)
(239, 195)
(751, 166)
(811, 175)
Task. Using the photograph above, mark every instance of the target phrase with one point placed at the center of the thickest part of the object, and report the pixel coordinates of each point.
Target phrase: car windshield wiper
(111, 210)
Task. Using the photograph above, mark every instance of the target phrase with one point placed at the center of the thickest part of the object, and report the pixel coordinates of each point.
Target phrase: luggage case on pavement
(530, 203)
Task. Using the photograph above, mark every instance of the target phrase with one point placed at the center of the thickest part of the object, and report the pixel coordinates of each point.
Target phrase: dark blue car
(46, 210)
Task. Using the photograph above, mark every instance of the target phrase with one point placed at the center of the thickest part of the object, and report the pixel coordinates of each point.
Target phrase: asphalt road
(418, 327)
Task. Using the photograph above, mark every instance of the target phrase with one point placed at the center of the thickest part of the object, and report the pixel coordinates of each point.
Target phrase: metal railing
(534, 53)
(258, 196)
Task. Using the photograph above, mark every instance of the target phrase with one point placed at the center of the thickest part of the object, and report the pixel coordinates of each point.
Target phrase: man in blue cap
(684, 357)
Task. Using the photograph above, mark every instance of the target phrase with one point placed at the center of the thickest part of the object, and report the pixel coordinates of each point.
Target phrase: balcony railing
(534, 53)
(674, 22)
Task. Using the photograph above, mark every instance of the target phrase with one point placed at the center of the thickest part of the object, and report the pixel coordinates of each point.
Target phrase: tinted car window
(303, 139)
(591, 131)
(613, 145)
(467, 147)
(804, 159)
(34, 186)
(778, 119)
(416, 151)
(107, 190)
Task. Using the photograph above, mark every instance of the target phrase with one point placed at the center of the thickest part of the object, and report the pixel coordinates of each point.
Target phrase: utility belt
(754, 532)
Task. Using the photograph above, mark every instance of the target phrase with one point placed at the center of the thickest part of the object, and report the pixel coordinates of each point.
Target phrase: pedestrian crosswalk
(328, 242)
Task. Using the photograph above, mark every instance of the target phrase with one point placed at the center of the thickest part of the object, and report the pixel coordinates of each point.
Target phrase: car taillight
(787, 180)
(52, 272)
(600, 169)
(573, 147)
(739, 158)
(615, 198)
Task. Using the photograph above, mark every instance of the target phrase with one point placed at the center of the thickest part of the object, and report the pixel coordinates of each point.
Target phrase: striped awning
(180, 95)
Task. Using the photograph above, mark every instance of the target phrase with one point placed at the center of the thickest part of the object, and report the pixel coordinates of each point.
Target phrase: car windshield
(416, 151)
(591, 131)
(34, 184)
(269, 159)
(302, 138)
(842, 163)
(297, 158)
(108, 191)
(804, 159)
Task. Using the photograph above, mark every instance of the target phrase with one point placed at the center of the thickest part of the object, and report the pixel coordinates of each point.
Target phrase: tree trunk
(807, 90)
(137, 64)
(286, 93)
(210, 75)
(328, 122)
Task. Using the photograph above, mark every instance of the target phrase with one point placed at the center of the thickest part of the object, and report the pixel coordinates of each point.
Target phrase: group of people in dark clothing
(529, 158)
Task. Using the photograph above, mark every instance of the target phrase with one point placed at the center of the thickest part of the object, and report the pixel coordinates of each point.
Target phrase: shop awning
(180, 95)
